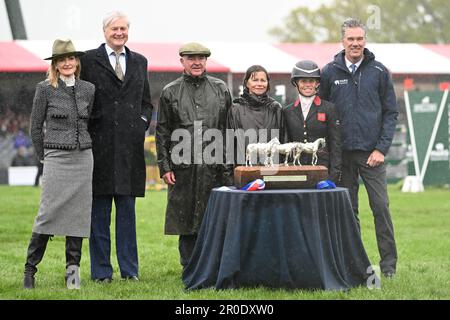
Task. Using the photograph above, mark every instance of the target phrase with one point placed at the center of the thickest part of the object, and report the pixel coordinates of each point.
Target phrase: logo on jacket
(340, 82)
(379, 68)
(321, 117)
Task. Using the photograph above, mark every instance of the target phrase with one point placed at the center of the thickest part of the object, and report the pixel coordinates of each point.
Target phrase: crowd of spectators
(11, 122)
(14, 136)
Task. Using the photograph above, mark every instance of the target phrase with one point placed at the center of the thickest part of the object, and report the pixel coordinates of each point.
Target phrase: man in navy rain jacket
(362, 91)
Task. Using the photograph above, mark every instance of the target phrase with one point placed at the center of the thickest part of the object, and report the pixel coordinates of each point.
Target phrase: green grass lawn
(421, 221)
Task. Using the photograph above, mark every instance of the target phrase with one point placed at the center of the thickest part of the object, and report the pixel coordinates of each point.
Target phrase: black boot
(36, 250)
(73, 258)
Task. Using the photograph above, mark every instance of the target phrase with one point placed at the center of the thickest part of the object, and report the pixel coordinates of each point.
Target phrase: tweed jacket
(65, 112)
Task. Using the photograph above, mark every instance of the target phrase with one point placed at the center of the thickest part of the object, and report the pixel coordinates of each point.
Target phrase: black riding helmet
(304, 69)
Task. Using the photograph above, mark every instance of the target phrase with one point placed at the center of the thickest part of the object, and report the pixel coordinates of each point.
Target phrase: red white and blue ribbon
(255, 185)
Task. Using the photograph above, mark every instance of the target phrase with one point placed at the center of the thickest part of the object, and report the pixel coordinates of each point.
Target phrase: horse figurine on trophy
(309, 147)
(281, 176)
(267, 149)
(286, 150)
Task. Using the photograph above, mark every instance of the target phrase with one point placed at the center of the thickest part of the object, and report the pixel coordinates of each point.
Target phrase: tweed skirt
(66, 198)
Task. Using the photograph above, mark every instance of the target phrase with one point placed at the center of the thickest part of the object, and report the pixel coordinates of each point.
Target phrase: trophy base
(281, 177)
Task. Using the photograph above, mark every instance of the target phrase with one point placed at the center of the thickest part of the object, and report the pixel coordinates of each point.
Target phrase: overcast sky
(155, 20)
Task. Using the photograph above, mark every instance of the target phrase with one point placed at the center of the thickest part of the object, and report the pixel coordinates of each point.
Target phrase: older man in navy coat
(120, 117)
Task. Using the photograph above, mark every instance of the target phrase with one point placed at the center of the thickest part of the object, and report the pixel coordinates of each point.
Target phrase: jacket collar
(194, 80)
(253, 101)
(73, 92)
(103, 59)
(109, 50)
(339, 59)
(317, 101)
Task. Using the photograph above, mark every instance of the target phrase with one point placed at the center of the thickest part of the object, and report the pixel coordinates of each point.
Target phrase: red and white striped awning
(27, 56)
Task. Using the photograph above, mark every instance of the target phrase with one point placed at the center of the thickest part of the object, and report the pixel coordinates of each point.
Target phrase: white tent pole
(433, 134)
(412, 135)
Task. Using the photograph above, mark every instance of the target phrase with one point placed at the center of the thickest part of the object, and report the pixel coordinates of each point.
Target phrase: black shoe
(103, 280)
(389, 274)
(28, 281)
(130, 278)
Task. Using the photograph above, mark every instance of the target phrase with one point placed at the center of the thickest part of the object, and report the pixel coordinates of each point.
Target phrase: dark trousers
(186, 245)
(100, 241)
(374, 178)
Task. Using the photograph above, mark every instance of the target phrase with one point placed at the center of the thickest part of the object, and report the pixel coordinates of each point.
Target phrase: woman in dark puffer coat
(256, 113)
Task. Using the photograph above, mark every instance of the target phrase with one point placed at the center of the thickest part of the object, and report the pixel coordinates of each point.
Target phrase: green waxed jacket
(192, 105)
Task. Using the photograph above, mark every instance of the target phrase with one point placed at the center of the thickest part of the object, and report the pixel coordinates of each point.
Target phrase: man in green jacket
(190, 106)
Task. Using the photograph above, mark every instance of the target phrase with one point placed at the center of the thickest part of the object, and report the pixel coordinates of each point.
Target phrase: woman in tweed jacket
(63, 103)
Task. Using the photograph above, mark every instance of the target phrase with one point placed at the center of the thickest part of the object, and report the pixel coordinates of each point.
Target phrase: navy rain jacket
(365, 102)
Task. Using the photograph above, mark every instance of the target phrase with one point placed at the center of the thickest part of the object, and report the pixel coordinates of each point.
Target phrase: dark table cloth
(279, 239)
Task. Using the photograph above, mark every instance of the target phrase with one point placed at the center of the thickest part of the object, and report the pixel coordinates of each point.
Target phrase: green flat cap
(192, 48)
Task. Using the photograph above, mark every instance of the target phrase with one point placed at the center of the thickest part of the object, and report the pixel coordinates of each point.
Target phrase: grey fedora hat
(63, 48)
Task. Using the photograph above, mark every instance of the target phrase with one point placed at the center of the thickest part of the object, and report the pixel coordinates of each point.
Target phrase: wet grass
(422, 226)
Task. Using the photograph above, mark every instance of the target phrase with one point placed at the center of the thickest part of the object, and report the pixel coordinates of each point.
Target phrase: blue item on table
(326, 184)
